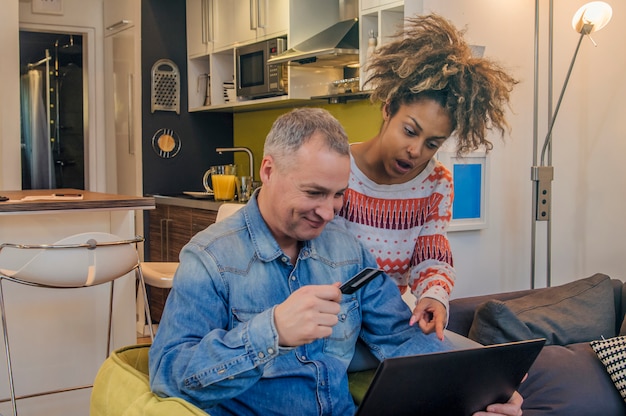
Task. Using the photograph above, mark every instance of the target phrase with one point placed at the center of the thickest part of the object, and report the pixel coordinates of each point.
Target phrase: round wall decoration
(166, 143)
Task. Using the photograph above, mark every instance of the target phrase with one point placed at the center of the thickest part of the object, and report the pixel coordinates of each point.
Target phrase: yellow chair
(122, 388)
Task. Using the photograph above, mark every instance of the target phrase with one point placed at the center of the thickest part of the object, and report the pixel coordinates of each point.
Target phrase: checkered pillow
(612, 353)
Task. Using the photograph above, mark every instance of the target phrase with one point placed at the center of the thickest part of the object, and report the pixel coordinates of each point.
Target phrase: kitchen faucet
(220, 150)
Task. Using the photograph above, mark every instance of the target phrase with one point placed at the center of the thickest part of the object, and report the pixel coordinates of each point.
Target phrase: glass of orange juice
(223, 180)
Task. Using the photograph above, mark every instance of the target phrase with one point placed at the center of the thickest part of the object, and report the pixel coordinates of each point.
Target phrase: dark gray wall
(163, 37)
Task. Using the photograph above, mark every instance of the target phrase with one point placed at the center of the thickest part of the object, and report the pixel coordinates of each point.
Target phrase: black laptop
(453, 383)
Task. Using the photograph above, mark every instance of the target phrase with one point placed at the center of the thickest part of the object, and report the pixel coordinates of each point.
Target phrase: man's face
(301, 196)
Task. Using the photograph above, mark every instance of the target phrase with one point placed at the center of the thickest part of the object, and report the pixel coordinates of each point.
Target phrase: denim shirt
(217, 345)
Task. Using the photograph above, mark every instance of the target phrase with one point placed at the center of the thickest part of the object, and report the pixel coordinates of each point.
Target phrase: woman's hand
(431, 316)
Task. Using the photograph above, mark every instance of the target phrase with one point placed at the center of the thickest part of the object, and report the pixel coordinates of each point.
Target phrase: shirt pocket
(343, 339)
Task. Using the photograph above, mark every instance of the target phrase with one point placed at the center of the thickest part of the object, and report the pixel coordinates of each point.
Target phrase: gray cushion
(580, 311)
(569, 381)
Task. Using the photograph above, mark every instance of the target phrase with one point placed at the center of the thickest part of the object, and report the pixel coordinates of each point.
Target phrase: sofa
(567, 378)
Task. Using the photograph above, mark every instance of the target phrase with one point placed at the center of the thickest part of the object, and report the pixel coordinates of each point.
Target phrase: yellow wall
(360, 119)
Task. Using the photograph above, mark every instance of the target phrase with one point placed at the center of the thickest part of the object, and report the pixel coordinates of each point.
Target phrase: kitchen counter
(189, 202)
(42, 200)
(58, 337)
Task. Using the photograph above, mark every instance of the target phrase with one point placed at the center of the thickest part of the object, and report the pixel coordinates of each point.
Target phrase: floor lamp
(589, 18)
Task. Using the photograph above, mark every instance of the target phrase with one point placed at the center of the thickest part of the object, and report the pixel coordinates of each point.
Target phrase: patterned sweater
(404, 227)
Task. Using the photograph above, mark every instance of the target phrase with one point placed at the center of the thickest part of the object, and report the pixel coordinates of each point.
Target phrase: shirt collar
(265, 245)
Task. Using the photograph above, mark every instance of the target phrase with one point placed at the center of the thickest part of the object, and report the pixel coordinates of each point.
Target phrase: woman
(400, 197)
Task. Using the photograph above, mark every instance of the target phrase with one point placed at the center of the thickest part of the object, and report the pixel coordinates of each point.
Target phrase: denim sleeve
(385, 322)
(200, 354)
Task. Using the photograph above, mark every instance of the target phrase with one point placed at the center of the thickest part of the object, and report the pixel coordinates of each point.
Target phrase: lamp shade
(592, 17)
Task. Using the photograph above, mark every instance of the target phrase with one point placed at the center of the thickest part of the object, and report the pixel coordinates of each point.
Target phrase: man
(256, 323)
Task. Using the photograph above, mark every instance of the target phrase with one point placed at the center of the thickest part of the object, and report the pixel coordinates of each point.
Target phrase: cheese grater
(165, 94)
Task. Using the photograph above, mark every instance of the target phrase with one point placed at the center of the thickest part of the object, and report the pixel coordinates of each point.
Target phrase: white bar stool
(155, 274)
(78, 261)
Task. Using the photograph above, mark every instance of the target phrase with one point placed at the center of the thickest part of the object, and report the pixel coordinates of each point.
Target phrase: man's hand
(431, 316)
(511, 408)
(307, 314)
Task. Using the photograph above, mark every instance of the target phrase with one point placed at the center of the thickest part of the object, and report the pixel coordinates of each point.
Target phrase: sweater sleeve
(432, 273)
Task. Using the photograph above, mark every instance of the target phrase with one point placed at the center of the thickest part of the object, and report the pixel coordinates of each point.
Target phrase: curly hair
(429, 58)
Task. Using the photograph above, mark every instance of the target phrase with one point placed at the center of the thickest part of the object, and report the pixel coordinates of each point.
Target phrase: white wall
(78, 16)
(589, 141)
(10, 176)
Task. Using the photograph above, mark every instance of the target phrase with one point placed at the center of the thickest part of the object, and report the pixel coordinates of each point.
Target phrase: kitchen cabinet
(372, 4)
(200, 27)
(273, 18)
(120, 14)
(247, 21)
(240, 22)
(382, 17)
(236, 22)
(122, 94)
(171, 227)
(233, 23)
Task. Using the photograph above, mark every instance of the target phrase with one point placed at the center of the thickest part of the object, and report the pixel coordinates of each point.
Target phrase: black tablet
(452, 383)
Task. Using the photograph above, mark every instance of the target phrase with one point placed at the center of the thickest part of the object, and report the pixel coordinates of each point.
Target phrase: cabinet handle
(253, 14)
(167, 239)
(119, 24)
(203, 19)
(261, 13)
(209, 21)
(131, 138)
(163, 231)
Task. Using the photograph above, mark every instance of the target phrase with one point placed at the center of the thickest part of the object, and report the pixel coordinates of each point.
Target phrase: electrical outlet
(48, 6)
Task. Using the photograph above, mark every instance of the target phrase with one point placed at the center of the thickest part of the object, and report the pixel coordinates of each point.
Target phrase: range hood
(337, 45)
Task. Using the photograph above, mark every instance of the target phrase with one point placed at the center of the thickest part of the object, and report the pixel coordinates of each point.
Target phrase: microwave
(255, 78)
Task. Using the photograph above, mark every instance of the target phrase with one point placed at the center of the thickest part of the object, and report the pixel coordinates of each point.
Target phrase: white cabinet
(236, 22)
(241, 22)
(200, 27)
(120, 14)
(383, 17)
(246, 21)
(273, 18)
(122, 63)
(371, 4)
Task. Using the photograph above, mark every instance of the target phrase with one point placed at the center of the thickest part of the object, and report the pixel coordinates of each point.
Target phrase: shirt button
(284, 259)
(261, 355)
(293, 278)
(303, 357)
(270, 350)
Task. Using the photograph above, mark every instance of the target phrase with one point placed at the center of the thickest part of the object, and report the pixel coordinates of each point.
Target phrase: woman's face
(411, 137)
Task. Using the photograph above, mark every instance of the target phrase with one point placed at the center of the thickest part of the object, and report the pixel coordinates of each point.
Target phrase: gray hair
(291, 130)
